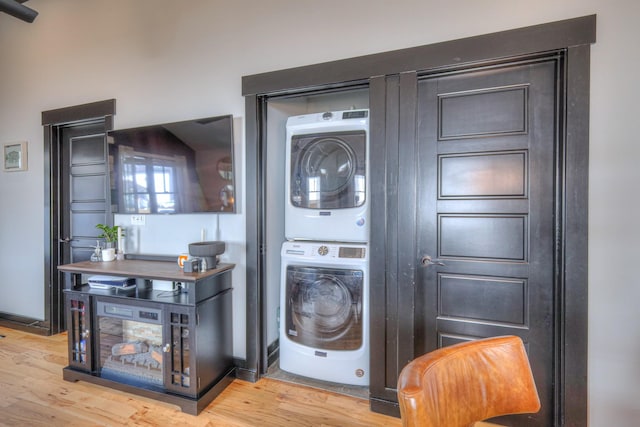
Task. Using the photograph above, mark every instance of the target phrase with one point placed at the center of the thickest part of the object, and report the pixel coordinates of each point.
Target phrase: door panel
(485, 211)
(482, 237)
(464, 114)
(472, 298)
(489, 175)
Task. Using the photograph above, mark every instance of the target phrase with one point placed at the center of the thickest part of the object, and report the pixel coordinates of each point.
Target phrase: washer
(324, 306)
(327, 177)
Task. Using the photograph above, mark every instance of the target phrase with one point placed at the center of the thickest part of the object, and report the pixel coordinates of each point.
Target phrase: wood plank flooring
(33, 393)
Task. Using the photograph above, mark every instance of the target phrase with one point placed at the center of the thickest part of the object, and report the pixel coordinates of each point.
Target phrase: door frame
(573, 37)
(53, 121)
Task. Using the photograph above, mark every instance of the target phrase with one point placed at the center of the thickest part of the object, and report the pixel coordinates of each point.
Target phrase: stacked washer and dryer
(324, 302)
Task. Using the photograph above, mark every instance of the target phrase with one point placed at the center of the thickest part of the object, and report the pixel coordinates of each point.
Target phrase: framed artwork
(15, 156)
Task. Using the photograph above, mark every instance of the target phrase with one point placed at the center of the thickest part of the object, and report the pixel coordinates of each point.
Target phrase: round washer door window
(322, 308)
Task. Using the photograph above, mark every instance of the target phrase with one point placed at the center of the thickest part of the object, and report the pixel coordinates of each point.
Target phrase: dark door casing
(86, 125)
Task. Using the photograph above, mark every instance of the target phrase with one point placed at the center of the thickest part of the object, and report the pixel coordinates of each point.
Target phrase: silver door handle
(427, 261)
(65, 240)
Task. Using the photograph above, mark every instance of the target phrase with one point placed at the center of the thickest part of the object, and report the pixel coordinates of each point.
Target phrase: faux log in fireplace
(174, 346)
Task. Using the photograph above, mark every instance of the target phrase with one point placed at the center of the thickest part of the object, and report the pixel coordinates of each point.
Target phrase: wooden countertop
(158, 270)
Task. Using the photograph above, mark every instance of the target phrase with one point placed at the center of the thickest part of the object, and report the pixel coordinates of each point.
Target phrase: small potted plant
(110, 235)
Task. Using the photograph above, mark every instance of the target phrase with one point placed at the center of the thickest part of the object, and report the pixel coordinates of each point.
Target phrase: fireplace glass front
(130, 344)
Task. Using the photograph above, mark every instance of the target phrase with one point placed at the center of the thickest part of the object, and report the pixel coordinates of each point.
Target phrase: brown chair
(459, 385)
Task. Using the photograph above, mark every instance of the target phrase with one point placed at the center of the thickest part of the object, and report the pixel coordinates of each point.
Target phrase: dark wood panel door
(485, 213)
(84, 191)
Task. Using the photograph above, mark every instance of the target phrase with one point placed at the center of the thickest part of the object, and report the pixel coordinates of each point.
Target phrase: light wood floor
(33, 393)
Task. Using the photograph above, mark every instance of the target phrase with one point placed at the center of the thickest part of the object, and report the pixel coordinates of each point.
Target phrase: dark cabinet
(174, 346)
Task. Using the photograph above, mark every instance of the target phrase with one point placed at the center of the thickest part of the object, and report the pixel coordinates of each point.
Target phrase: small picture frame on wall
(15, 156)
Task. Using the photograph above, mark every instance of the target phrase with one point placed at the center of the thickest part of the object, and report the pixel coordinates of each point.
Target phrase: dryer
(327, 176)
(324, 311)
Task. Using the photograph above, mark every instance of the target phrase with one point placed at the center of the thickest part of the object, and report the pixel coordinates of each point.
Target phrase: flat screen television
(173, 168)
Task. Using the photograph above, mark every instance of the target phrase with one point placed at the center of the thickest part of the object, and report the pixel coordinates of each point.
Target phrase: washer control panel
(324, 250)
(351, 252)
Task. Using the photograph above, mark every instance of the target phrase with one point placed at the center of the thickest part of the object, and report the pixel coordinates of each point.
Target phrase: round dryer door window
(332, 162)
(328, 171)
(324, 307)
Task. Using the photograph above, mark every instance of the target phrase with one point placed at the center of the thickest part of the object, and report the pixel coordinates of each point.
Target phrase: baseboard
(25, 324)
(385, 407)
(246, 375)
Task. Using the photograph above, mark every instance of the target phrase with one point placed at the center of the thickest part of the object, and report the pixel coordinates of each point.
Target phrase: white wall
(167, 60)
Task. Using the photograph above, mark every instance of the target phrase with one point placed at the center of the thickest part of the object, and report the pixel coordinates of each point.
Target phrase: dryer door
(328, 170)
(324, 307)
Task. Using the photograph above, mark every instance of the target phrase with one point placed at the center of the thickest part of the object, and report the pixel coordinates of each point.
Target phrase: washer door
(324, 307)
(328, 170)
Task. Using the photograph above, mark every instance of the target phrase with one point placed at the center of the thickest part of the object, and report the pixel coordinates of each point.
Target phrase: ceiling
(16, 9)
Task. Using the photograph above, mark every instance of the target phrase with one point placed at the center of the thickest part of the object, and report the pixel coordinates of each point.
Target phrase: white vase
(108, 254)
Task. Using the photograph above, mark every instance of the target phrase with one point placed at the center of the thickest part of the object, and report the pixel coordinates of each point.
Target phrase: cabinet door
(79, 330)
(180, 366)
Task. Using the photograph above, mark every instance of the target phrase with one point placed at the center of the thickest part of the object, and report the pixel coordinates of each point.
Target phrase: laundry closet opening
(336, 289)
